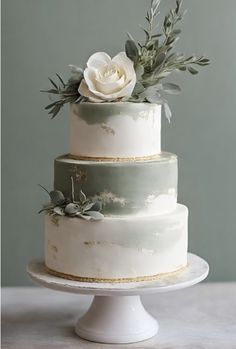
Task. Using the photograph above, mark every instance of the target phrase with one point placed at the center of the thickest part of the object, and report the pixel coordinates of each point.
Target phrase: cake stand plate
(116, 314)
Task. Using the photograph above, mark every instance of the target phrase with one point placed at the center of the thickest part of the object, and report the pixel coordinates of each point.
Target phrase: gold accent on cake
(117, 280)
(108, 129)
(114, 159)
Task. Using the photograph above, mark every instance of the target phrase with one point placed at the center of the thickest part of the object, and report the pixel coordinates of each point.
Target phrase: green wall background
(41, 38)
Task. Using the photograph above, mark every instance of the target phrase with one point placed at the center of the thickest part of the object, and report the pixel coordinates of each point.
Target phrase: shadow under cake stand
(116, 314)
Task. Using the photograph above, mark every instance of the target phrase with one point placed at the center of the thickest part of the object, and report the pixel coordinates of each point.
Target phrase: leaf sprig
(62, 206)
(153, 60)
(66, 92)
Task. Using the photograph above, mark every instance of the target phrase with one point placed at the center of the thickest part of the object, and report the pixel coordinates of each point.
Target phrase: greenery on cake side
(62, 206)
(135, 75)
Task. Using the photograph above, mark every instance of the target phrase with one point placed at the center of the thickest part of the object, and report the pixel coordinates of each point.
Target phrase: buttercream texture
(115, 129)
(122, 247)
(143, 188)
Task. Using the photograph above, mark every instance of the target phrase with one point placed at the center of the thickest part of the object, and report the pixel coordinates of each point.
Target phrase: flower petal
(125, 63)
(89, 77)
(98, 60)
(128, 89)
(110, 87)
(84, 91)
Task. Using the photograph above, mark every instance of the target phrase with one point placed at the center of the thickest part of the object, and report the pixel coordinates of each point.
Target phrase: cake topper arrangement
(135, 75)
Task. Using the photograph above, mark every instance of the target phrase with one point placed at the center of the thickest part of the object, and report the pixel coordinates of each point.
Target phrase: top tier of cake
(115, 130)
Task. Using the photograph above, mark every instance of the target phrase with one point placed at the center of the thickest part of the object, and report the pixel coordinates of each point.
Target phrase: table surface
(199, 317)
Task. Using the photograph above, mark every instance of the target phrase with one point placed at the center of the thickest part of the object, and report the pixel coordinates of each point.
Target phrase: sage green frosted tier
(143, 188)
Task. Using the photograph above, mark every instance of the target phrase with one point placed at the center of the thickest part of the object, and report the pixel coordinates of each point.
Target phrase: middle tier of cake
(142, 187)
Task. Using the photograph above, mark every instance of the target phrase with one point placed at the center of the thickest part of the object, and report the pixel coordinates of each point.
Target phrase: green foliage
(132, 51)
(154, 60)
(61, 206)
(66, 92)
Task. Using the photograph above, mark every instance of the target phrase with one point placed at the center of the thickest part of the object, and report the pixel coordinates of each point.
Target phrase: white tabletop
(200, 317)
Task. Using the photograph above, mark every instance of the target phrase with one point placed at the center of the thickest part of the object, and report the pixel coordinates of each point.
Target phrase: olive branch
(153, 59)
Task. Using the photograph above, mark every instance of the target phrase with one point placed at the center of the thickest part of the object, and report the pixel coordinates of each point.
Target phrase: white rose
(107, 79)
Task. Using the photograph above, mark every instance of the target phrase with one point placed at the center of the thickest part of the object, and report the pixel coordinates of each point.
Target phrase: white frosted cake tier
(115, 130)
(117, 248)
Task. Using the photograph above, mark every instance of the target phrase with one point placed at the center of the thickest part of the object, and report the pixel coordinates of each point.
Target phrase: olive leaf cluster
(66, 92)
(62, 206)
(154, 59)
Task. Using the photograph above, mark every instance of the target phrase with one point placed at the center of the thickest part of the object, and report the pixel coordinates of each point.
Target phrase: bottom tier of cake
(117, 249)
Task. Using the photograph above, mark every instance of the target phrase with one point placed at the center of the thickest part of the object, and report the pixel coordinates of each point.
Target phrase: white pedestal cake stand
(116, 314)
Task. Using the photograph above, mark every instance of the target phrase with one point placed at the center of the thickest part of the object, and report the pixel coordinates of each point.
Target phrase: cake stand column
(116, 319)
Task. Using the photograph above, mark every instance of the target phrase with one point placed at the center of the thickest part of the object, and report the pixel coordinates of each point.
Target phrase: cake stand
(116, 314)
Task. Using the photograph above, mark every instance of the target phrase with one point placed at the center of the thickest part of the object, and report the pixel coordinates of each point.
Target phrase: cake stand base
(119, 319)
(116, 314)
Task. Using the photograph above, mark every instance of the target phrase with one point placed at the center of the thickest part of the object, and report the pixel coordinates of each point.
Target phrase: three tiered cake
(115, 158)
(113, 214)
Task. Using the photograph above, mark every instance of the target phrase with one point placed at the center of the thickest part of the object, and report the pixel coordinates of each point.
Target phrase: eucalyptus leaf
(97, 206)
(189, 59)
(157, 71)
(138, 88)
(46, 208)
(57, 197)
(205, 60)
(171, 88)
(152, 96)
(159, 60)
(75, 70)
(156, 44)
(192, 70)
(132, 51)
(95, 215)
(59, 211)
(72, 209)
(157, 36)
(154, 99)
(139, 71)
(74, 81)
(83, 216)
(163, 74)
(177, 31)
(88, 206)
